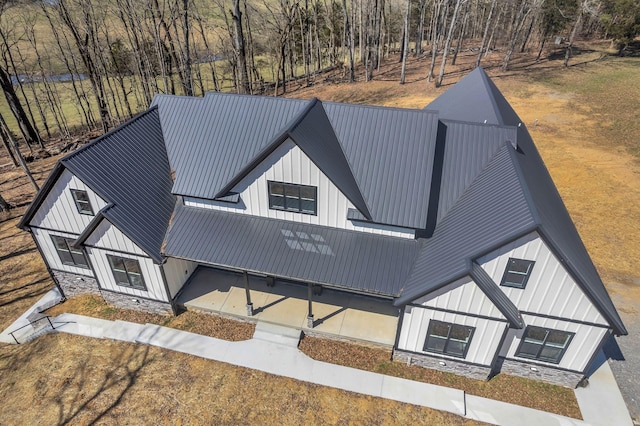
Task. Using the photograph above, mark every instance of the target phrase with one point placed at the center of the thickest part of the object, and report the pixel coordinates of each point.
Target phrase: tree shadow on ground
(82, 399)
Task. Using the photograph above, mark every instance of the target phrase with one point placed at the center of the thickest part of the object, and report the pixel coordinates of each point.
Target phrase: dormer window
(293, 198)
(82, 201)
(517, 273)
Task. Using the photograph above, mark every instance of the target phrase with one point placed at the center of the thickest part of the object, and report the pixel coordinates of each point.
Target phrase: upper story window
(82, 201)
(293, 198)
(517, 273)
(68, 254)
(127, 272)
(448, 339)
(544, 344)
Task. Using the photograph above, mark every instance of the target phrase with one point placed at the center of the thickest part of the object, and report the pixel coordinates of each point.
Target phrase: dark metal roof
(475, 98)
(497, 296)
(346, 259)
(211, 140)
(140, 194)
(468, 149)
(493, 211)
(391, 153)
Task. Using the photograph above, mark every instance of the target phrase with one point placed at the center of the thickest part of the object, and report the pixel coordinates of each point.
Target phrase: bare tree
(405, 42)
(5, 134)
(447, 44)
(241, 54)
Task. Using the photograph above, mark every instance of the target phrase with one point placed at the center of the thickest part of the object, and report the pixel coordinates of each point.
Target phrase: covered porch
(338, 314)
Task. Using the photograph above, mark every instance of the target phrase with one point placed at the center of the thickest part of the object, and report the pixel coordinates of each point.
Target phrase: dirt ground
(582, 120)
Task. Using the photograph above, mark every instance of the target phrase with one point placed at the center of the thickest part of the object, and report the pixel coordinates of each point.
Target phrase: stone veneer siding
(128, 301)
(544, 373)
(478, 372)
(75, 285)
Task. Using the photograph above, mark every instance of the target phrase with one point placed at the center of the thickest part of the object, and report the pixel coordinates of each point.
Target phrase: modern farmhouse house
(447, 216)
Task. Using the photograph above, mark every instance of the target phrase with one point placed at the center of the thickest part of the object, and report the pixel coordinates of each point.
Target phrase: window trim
(71, 250)
(510, 284)
(293, 185)
(78, 203)
(433, 322)
(544, 344)
(143, 287)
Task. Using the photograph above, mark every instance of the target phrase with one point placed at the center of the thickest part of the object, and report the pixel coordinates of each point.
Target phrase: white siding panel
(288, 163)
(584, 343)
(462, 296)
(48, 249)
(484, 343)
(58, 210)
(550, 290)
(150, 272)
(177, 272)
(108, 236)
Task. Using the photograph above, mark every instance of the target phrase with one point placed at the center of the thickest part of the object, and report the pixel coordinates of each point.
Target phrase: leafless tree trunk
(4, 206)
(348, 37)
(238, 39)
(484, 34)
(5, 133)
(572, 37)
(447, 44)
(405, 42)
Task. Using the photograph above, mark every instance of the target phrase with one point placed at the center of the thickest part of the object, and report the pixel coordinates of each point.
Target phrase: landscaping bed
(207, 325)
(503, 387)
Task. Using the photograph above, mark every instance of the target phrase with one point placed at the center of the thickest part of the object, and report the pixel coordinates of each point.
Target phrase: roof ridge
(112, 132)
(382, 107)
(525, 187)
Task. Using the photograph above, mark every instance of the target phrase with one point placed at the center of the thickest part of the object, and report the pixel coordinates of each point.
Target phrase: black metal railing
(37, 325)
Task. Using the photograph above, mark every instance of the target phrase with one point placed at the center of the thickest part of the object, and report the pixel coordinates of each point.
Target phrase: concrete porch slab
(337, 314)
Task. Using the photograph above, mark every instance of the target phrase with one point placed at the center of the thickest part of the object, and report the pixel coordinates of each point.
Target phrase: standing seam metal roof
(339, 258)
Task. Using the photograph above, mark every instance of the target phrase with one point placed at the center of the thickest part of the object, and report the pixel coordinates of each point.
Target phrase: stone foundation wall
(75, 285)
(543, 373)
(127, 301)
(460, 368)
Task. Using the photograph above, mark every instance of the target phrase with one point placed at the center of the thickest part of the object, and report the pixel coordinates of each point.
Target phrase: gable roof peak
(477, 99)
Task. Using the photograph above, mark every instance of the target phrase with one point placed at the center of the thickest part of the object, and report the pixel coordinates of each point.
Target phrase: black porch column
(310, 314)
(246, 289)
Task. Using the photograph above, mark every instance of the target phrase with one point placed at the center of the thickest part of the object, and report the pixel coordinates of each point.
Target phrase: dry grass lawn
(515, 390)
(588, 134)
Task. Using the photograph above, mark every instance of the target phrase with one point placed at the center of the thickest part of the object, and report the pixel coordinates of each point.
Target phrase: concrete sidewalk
(274, 350)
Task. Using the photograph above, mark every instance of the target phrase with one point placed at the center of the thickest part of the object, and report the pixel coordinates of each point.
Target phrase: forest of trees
(70, 66)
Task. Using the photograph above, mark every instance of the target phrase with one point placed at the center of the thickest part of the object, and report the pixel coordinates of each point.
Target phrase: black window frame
(82, 210)
(284, 197)
(507, 271)
(547, 332)
(73, 253)
(433, 323)
(117, 274)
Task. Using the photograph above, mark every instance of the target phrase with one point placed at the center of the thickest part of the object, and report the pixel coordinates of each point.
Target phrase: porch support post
(246, 289)
(310, 314)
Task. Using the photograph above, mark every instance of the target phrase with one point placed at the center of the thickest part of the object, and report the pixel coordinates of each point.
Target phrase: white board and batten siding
(107, 236)
(177, 272)
(150, 272)
(289, 164)
(58, 210)
(550, 289)
(108, 239)
(582, 346)
(51, 254)
(484, 342)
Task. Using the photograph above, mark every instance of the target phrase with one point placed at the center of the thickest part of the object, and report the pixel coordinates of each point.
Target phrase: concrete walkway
(273, 350)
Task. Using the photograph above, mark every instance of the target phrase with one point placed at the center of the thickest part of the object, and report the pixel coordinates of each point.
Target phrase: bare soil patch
(512, 389)
(207, 325)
